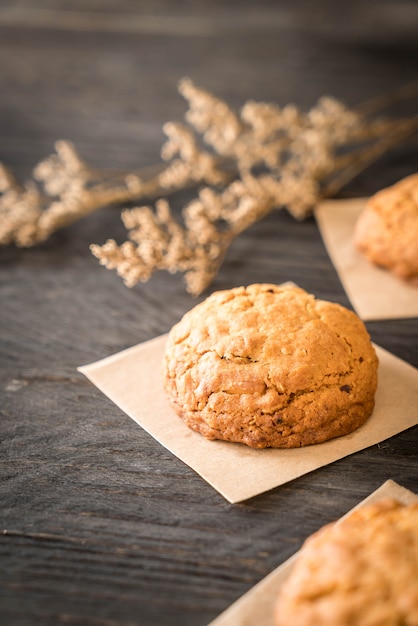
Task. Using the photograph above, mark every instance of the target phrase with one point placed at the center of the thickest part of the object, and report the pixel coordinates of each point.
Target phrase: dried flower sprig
(254, 161)
(68, 189)
(276, 157)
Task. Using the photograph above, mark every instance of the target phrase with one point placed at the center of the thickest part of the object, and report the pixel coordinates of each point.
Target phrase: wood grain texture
(99, 525)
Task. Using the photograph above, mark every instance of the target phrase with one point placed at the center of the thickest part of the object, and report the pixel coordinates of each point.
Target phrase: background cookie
(387, 229)
(362, 570)
(270, 366)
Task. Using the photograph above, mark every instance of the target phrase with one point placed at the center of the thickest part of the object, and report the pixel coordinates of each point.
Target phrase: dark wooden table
(99, 524)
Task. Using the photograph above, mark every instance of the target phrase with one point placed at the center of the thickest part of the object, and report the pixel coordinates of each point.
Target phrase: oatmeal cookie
(361, 570)
(270, 366)
(386, 232)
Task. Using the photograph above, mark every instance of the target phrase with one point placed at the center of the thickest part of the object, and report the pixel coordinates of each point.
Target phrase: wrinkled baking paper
(257, 605)
(374, 293)
(132, 380)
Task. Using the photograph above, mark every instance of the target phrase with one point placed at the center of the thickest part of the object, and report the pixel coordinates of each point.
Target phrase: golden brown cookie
(386, 231)
(362, 570)
(270, 366)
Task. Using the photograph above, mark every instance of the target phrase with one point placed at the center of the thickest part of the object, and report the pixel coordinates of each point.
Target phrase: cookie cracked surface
(361, 570)
(386, 232)
(270, 366)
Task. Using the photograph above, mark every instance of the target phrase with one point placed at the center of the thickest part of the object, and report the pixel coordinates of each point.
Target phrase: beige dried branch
(192, 165)
(211, 223)
(261, 158)
(349, 167)
(158, 242)
(21, 207)
(68, 189)
(282, 157)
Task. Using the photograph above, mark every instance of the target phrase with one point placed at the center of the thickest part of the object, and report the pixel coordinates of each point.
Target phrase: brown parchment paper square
(375, 293)
(256, 606)
(132, 380)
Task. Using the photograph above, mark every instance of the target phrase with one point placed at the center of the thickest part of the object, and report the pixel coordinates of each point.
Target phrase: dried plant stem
(363, 158)
(386, 100)
(243, 164)
(300, 154)
(72, 190)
